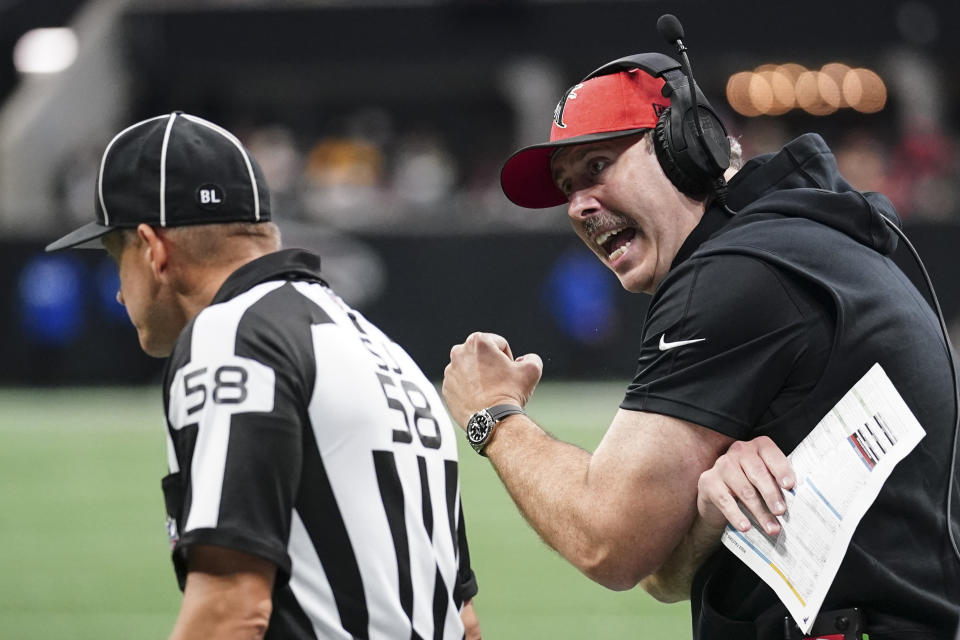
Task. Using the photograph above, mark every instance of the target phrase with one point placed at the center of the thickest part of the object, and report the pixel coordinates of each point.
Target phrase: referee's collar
(714, 219)
(287, 264)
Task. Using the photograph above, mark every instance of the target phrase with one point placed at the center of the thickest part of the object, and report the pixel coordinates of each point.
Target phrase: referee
(312, 488)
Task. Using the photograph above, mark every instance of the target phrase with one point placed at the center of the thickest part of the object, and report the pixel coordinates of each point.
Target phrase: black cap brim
(82, 238)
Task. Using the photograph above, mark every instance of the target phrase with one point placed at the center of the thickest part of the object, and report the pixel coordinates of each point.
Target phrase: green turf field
(84, 552)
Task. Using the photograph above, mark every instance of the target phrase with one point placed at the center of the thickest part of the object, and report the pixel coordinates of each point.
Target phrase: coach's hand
(753, 472)
(483, 373)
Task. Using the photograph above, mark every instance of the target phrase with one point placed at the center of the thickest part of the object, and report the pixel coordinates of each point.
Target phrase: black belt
(839, 624)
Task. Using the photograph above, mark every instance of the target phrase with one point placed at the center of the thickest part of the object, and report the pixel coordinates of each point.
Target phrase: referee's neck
(198, 283)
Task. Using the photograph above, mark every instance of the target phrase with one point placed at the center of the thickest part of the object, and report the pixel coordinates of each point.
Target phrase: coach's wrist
(461, 410)
(482, 425)
(504, 435)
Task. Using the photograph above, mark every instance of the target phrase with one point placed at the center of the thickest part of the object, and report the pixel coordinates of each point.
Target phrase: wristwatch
(480, 425)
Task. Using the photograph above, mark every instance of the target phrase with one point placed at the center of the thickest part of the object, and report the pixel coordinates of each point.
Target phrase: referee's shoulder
(258, 309)
(265, 300)
(279, 305)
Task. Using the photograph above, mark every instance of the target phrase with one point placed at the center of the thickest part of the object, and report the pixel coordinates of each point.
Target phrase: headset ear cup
(665, 155)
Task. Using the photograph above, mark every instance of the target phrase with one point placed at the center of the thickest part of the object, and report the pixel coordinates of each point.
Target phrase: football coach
(313, 488)
(772, 294)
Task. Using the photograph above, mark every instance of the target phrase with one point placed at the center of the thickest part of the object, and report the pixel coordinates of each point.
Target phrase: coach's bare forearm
(549, 481)
(749, 473)
(673, 580)
(615, 514)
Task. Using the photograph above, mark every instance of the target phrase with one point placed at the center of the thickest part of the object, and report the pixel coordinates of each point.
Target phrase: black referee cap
(173, 170)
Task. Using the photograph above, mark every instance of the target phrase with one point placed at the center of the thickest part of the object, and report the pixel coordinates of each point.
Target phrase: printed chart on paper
(840, 467)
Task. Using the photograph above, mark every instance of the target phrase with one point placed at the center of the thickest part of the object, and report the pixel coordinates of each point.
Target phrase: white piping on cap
(163, 170)
(103, 162)
(243, 152)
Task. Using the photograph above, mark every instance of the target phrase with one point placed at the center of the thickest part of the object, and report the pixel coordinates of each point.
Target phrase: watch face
(478, 427)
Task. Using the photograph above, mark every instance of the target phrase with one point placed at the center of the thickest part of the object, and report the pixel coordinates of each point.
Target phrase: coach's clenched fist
(483, 373)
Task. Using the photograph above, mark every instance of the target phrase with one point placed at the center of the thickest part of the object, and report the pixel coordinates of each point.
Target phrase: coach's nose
(120, 297)
(582, 204)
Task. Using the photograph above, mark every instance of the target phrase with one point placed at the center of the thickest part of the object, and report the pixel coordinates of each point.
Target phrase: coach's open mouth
(615, 242)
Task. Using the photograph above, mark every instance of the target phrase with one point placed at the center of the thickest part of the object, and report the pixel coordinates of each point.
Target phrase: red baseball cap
(609, 106)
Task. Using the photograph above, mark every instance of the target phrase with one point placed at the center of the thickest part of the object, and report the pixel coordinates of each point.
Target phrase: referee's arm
(471, 623)
(228, 595)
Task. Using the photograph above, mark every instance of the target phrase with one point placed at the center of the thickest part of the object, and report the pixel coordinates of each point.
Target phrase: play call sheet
(840, 467)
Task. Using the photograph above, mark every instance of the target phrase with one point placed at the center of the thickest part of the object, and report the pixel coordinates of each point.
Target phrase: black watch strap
(482, 424)
(501, 411)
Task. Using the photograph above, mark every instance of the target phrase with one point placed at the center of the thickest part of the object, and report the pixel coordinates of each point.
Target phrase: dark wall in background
(545, 293)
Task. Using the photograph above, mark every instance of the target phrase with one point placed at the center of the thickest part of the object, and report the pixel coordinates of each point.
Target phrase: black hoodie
(828, 248)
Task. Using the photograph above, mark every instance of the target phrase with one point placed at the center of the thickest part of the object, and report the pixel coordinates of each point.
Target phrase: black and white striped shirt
(298, 432)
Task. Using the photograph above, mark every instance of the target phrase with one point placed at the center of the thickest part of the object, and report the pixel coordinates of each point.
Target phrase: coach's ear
(156, 254)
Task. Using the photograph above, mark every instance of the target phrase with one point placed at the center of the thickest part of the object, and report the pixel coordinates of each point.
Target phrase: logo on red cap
(571, 94)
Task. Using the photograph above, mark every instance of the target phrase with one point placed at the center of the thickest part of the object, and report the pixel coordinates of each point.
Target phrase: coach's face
(147, 297)
(624, 207)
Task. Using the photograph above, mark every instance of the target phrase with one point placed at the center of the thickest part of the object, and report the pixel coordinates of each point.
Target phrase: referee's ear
(157, 253)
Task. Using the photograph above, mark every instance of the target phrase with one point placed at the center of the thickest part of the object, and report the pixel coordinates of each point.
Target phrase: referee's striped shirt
(298, 432)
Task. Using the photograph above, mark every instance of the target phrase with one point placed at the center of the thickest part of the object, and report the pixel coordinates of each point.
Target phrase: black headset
(690, 140)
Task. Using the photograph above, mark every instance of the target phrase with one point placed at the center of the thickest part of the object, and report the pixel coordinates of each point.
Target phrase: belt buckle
(839, 624)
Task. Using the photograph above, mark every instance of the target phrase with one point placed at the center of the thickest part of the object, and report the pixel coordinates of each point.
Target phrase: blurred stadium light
(46, 50)
(52, 298)
(773, 90)
(581, 297)
(48, 117)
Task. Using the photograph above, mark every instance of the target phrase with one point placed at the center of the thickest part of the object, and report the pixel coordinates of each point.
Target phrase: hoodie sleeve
(730, 343)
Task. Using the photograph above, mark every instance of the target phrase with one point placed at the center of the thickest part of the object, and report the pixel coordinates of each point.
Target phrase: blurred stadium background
(381, 127)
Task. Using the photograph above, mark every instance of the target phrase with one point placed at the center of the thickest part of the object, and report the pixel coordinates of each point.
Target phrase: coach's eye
(566, 186)
(596, 165)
